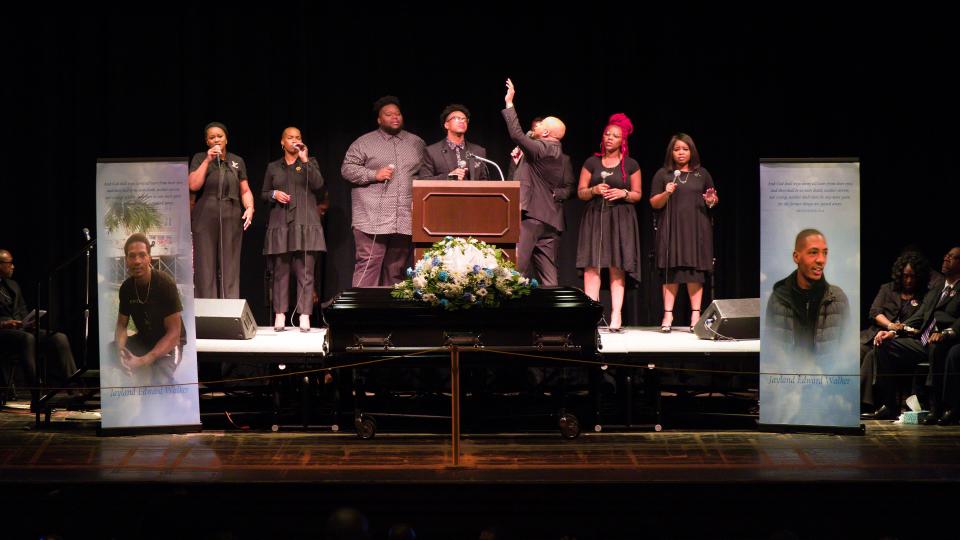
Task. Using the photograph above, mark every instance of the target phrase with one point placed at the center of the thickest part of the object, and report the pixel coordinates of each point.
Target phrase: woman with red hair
(609, 234)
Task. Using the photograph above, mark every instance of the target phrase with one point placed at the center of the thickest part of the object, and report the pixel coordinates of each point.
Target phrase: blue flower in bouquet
(444, 302)
(489, 272)
(410, 272)
(418, 294)
(476, 269)
(443, 275)
(435, 261)
(468, 297)
(534, 283)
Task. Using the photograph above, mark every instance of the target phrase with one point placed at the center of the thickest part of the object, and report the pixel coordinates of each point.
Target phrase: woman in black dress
(609, 235)
(682, 192)
(218, 180)
(896, 301)
(294, 229)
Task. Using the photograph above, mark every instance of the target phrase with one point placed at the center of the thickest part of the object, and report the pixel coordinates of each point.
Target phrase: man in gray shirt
(380, 167)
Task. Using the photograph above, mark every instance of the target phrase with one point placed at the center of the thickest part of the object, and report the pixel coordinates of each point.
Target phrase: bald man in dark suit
(546, 180)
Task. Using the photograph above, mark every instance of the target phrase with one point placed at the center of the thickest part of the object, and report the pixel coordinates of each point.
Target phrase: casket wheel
(366, 427)
(569, 426)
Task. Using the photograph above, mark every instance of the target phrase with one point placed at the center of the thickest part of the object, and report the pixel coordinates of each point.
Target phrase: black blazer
(12, 305)
(546, 179)
(438, 160)
(945, 311)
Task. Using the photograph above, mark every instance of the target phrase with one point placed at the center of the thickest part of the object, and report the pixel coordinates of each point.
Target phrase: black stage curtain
(95, 83)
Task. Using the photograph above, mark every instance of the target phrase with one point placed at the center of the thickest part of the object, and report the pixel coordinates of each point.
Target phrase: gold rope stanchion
(455, 403)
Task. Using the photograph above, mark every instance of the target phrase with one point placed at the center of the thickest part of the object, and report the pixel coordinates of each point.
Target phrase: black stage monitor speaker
(737, 318)
(224, 318)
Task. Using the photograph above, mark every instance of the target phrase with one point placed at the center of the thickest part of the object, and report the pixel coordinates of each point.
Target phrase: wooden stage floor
(71, 452)
(233, 484)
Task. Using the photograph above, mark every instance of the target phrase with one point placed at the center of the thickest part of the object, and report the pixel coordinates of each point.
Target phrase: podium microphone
(485, 160)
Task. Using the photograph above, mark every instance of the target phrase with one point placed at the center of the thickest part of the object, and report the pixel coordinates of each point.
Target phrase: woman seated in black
(896, 301)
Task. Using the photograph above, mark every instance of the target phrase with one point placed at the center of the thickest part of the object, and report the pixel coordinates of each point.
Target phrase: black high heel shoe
(691, 316)
(618, 328)
(666, 328)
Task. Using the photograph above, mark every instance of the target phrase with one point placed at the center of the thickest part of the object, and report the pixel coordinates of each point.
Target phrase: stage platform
(676, 361)
(648, 340)
(631, 340)
(269, 342)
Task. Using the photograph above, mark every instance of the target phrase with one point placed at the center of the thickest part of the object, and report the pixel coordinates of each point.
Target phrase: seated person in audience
(925, 337)
(17, 340)
(896, 302)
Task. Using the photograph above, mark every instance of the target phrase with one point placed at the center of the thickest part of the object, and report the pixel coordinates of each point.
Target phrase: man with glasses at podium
(454, 158)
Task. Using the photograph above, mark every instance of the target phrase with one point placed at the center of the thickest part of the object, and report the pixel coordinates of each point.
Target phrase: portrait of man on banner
(809, 284)
(806, 315)
(150, 298)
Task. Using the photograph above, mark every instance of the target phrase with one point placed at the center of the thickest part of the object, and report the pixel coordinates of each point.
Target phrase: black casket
(370, 321)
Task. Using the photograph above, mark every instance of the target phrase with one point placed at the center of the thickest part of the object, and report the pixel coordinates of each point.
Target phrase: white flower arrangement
(460, 273)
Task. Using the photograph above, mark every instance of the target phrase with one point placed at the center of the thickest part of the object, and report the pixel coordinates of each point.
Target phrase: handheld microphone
(676, 175)
(217, 148)
(86, 234)
(299, 146)
(461, 164)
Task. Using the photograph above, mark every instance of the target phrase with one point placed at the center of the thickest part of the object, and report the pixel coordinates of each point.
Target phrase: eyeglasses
(463, 118)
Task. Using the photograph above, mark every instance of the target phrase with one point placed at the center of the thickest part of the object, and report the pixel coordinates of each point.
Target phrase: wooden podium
(485, 210)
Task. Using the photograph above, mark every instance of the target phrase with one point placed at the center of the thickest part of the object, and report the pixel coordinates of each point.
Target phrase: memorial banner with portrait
(810, 293)
(148, 357)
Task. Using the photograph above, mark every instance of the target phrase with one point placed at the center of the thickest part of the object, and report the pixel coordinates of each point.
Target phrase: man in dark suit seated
(17, 340)
(927, 335)
(546, 180)
(454, 157)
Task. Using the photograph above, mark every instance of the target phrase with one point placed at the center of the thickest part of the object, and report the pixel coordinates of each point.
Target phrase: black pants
(302, 263)
(900, 357)
(537, 251)
(381, 262)
(217, 239)
(20, 347)
(951, 379)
